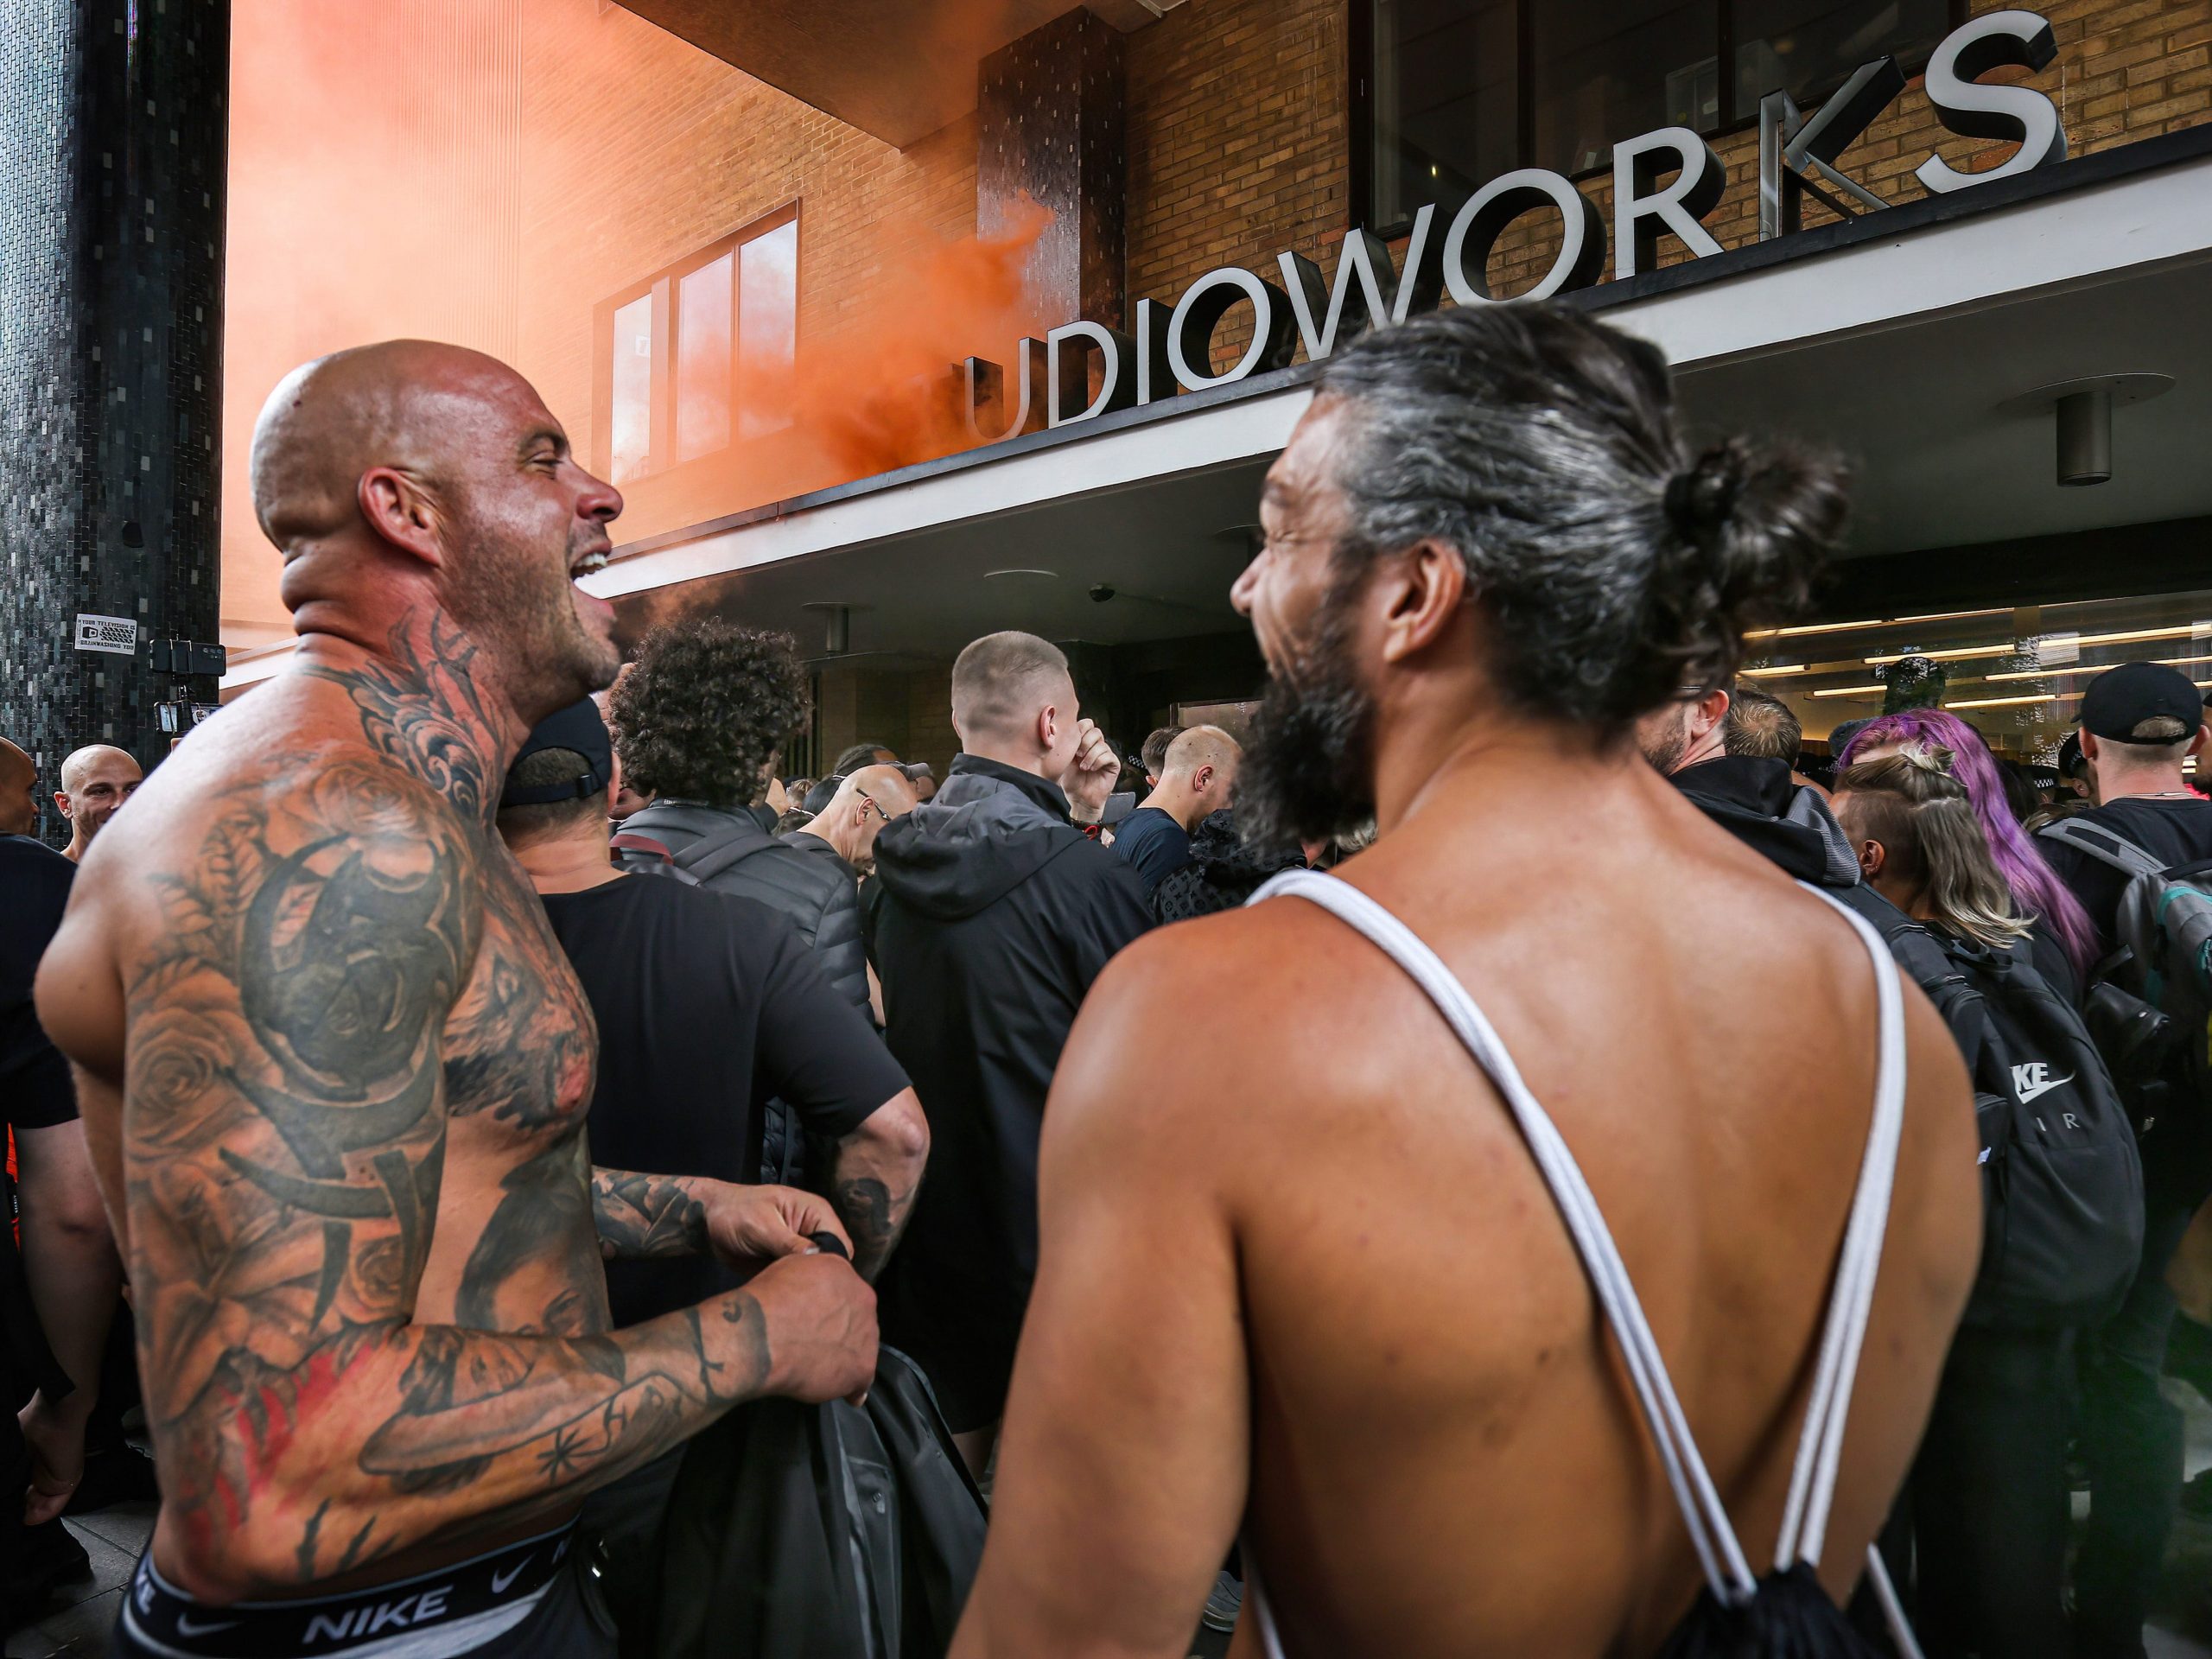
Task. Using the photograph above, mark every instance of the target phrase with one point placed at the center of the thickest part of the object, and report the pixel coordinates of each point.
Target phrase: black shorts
(531, 1598)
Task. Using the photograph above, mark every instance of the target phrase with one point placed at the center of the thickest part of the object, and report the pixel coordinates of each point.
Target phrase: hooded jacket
(992, 915)
(1755, 800)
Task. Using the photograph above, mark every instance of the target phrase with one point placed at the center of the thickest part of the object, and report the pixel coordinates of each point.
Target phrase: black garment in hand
(995, 914)
(706, 1004)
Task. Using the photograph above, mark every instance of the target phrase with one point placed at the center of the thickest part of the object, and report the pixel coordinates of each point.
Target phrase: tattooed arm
(877, 1171)
(686, 1215)
(282, 1146)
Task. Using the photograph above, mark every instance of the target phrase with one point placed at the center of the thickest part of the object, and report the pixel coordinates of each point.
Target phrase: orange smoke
(889, 396)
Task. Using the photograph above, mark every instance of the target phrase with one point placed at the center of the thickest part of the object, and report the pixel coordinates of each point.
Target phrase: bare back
(1432, 1447)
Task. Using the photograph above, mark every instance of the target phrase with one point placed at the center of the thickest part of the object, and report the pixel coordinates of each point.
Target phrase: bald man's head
(96, 781)
(1198, 775)
(409, 477)
(18, 790)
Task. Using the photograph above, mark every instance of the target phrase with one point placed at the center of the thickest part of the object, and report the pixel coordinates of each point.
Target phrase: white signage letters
(1055, 372)
(1962, 104)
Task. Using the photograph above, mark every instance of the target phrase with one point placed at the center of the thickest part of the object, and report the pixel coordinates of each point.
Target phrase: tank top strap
(1813, 1479)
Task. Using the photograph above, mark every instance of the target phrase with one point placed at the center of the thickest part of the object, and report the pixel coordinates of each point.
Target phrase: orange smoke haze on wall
(438, 168)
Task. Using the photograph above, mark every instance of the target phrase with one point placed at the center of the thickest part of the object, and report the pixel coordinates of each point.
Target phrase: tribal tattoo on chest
(345, 960)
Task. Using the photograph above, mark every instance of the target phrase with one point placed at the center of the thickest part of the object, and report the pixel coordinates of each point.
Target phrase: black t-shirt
(1153, 843)
(35, 1092)
(707, 1004)
(2174, 831)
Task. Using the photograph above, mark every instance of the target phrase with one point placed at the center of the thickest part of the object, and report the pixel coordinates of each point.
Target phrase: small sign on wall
(115, 634)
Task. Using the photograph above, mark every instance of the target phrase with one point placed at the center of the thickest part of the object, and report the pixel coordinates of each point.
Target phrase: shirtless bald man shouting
(334, 1068)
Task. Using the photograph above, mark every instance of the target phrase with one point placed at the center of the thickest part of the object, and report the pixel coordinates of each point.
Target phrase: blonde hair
(1925, 822)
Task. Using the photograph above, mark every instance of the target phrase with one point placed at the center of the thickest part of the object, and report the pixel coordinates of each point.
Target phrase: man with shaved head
(1196, 776)
(334, 1068)
(95, 781)
(996, 914)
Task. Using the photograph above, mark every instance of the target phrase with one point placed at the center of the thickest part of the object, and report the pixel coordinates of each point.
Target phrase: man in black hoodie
(994, 915)
(1755, 800)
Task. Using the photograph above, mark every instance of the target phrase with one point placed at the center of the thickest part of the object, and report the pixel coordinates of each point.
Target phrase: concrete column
(1049, 110)
(112, 142)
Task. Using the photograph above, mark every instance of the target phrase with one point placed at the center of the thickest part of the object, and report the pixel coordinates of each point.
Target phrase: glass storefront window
(2015, 674)
(1609, 69)
(1463, 90)
(1806, 48)
(767, 332)
(630, 434)
(701, 355)
(705, 304)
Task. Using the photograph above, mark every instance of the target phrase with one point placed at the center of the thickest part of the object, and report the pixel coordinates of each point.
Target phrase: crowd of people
(579, 1185)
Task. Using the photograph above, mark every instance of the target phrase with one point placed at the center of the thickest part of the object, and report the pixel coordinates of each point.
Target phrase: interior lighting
(1771, 673)
(2049, 696)
(1963, 654)
(1852, 690)
(1873, 622)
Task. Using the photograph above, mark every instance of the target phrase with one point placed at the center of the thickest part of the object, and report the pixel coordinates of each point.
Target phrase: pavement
(83, 1614)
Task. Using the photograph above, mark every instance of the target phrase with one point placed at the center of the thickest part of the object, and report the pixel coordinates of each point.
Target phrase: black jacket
(817, 896)
(1757, 801)
(1222, 872)
(996, 914)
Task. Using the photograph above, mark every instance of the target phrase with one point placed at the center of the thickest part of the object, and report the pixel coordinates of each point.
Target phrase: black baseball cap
(579, 729)
(2072, 763)
(2121, 700)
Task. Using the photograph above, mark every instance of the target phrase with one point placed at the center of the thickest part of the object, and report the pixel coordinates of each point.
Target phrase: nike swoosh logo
(185, 1625)
(2040, 1088)
(501, 1580)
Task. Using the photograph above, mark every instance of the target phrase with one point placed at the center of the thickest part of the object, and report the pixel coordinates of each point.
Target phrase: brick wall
(658, 150)
(1237, 140)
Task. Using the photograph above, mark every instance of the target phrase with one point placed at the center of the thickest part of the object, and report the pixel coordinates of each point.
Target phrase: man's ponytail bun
(1615, 567)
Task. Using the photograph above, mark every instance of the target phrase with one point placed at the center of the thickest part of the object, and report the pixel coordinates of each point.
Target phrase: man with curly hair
(699, 720)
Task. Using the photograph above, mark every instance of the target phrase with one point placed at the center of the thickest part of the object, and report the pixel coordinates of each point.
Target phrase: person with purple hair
(2063, 937)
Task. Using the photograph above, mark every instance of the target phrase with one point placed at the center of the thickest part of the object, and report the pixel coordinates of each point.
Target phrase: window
(1456, 92)
(702, 355)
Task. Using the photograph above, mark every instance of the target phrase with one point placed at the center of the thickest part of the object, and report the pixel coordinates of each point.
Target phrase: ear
(613, 784)
(1202, 780)
(1872, 855)
(1048, 728)
(61, 803)
(1418, 593)
(402, 513)
(1708, 712)
(2089, 746)
(2196, 743)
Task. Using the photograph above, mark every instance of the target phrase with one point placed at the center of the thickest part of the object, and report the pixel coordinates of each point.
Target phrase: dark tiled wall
(112, 128)
(1050, 116)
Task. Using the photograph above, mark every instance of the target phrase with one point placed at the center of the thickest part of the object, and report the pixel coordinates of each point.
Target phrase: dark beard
(1309, 772)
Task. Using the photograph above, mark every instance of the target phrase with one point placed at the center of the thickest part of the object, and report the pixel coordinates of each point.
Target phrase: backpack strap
(1820, 1449)
(2105, 847)
(708, 856)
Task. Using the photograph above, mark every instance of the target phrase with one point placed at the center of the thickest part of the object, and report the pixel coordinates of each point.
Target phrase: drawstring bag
(1788, 1614)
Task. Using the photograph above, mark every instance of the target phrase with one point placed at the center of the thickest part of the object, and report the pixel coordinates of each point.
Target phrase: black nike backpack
(2062, 1179)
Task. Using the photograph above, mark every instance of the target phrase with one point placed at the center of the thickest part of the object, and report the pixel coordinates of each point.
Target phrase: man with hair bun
(994, 915)
(1308, 1283)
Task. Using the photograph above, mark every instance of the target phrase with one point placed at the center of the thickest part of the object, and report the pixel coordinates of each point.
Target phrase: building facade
(833, 298)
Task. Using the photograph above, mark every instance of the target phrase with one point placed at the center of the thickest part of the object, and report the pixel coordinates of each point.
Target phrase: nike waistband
(432, 1614)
